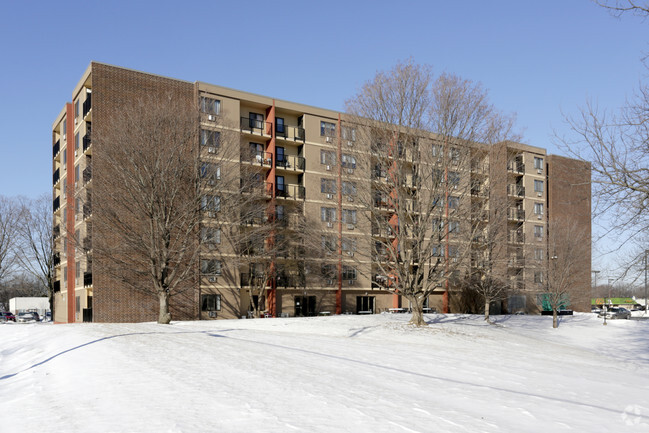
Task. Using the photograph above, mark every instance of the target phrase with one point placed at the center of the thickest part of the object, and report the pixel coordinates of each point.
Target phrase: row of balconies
(261, 127)
(287, 162)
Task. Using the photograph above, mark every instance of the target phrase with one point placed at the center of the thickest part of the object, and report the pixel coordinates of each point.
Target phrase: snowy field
(328, 374)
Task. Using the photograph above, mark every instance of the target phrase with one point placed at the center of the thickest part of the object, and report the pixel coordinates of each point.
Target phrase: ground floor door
(304, 306)
(364, 304)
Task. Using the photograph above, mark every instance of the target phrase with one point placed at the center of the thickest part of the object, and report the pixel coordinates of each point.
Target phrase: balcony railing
(290, 191)
(87, 210)
(87, 279)
(516, 190)
(56, 149)
(56, 286)
(86, 142)
(87, 243)
(248, 280)
(56, 204)
(56, 259)
(56, 231)
(258, 157)
(284, 280)
(56, 177)
(291, 162)
(516, 214)
(87, 104)
(516, 167)
(87, 174)
(294, 133)
(254, 126)
(516, 238)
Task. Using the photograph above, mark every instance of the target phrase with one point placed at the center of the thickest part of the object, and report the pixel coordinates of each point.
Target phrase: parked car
(595, 309)
(28, 316)
(7, 316)
(616, 313)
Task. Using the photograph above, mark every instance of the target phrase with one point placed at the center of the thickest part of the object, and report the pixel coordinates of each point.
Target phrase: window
(76, 173)
(65, 159)
(349, 273)
(210, 172)
(76, 141)
(538, 208)
(538, 186)
(210, 302)
(348, 133)
(210, 235)
(454, 227)
(65, 187)
(210, 267)
(211, 203)
(279, 156)
(349, 188)
(328, 214)
(65, 128)
(328, 157)
(65, 273)
(453, 202)
(77, 270)
(210, 138)
(256, 120)
(328, 186)
(329, 271)
(538, 232)
(76, 109)
(538, 163)
(280, 187)
(539, 254)
(327, 129)
(454, 154)
(437, 150)
(349, 216)
(538, 277)
(454, 178)
(210, 105)
(279, 125)
(348, 161)
(328, 243)
(349, 245)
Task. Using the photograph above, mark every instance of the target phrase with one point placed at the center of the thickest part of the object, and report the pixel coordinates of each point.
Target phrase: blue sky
(536, 58)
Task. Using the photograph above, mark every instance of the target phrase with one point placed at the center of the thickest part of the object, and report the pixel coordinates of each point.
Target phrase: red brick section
(71, 212)
(271, 297)
(569, 197)
(112, 300)
(339, 185)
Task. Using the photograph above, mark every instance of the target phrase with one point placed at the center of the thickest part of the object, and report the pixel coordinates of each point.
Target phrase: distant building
(296, 148)
(40, 305)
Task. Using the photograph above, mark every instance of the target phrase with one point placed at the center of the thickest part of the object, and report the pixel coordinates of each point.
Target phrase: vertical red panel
(71, 211)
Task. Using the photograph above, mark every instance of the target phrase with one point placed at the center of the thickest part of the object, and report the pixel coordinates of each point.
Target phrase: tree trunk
(487, 301)
(164, 317)
(417, 318)
(555, 318)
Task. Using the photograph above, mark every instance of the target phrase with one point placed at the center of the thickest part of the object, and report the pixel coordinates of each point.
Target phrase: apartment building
(309, 162)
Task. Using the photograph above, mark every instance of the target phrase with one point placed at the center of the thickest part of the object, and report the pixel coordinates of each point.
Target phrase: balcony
(56, 204)
(56, 259)
(516, 238)
(516, 167)
(516, 214)
(87, 174)
(87, 279)
(264, 159)
(87, 210)
(87, 104)
(56, 231)
(516, 262)
(87, 243)
(288, 133)
(56, 149)
(291, 163)
(56, 177)
(251, 280)
(86, 142)
(56, 286)
(253, 126)
(290, 191)
(515, 190)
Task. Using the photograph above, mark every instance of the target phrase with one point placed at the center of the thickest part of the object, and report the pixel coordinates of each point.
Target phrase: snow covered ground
(328, 374)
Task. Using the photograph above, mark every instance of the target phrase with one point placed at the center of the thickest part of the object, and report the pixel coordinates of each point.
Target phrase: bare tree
(619, 7)
(9, 217)
(36, 254)
(419, 136)
(147, 198)
(567, 245)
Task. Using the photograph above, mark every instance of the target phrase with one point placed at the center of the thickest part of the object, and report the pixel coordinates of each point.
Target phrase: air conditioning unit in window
(328, 168)
(75, 153)
(350, 170)
(330, 282)
(539, 171)
(350, 143)
(329, 139)
(350, 198)
(211, 149)
(350, 226)
(330, 196)
(211, 117)
(540, 194)
(350, 253)
(211, 214)
(539, 216)
(212, 279)
(75, 120)
(330, 224)
(212, 314)
(211, 182)
(350, 282)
